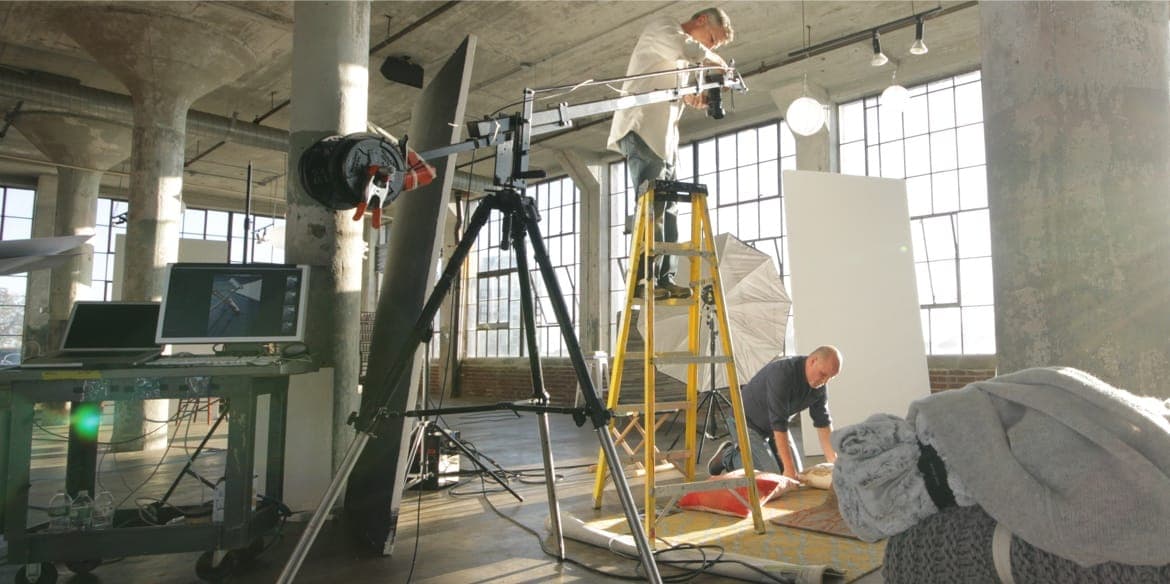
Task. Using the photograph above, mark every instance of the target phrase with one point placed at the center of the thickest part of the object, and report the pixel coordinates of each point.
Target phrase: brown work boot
(674, 290)
(659, 292)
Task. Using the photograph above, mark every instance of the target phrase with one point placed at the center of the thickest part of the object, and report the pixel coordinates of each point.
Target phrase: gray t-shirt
(778, 392)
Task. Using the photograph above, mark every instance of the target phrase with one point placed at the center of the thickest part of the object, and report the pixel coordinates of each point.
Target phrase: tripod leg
(597, 412)
(293, 565)
(539, 394)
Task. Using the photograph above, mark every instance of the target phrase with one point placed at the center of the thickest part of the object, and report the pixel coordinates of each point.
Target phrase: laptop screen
(228, 303)
(111, 326)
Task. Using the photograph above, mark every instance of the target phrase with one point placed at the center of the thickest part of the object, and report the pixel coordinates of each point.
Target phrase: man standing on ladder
(648, 136)
(779, 391)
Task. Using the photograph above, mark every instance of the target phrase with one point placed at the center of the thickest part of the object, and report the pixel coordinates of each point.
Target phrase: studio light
(402, 70)
(879, 58)
(919, 47)
(805, 116)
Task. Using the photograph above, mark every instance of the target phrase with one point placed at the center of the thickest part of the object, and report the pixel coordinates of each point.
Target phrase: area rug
(780, 543)
(822, 518)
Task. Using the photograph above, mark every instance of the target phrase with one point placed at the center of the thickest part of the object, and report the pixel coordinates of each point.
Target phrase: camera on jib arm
(715, 97)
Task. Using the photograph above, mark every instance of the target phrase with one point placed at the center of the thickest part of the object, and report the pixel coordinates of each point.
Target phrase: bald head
(822, 365)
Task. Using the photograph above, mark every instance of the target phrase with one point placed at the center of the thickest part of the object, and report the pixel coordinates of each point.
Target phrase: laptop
(105, 334)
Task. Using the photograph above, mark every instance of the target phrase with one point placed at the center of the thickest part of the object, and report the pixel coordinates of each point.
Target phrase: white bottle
(103, 510)
(59, 509)
(82, 511)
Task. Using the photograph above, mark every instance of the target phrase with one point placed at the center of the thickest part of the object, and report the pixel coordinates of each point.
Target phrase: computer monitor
(233, 303)
(111, 326)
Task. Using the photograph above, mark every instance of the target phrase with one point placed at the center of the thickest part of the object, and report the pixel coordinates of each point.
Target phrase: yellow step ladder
(643, 420)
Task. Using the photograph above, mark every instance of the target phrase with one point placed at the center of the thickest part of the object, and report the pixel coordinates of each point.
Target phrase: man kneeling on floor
(776, 394)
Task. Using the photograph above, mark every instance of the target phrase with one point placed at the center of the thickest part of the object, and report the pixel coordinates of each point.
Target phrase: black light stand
(712, 399)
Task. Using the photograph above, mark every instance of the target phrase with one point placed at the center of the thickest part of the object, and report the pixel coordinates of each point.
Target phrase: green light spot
(86, 420)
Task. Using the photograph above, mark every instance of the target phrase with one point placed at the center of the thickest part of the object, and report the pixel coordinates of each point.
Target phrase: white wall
(853, 286)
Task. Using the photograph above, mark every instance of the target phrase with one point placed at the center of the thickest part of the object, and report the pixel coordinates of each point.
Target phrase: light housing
(919, 47)
(879, 58)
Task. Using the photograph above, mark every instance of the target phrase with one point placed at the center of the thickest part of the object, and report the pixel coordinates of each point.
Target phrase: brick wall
(508, 378)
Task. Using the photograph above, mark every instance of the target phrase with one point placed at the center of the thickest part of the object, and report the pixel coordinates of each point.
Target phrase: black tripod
(712, 399)
(520, 220)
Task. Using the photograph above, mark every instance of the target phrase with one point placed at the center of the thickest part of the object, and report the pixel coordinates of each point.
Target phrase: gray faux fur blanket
(1064, 461)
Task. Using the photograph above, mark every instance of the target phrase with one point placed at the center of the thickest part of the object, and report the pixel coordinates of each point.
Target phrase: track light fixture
(919, 47)
(879, 58)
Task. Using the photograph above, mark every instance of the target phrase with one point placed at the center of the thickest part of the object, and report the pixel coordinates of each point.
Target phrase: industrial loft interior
(794, 291)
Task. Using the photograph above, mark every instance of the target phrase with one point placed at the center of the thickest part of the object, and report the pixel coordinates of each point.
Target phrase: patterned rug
(784, 544)
(823, 518)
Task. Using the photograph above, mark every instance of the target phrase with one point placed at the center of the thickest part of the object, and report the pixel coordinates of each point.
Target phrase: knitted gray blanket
(1064, 461)
(956, 545)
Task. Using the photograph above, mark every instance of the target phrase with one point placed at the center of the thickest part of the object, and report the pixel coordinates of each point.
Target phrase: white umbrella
(757, 313)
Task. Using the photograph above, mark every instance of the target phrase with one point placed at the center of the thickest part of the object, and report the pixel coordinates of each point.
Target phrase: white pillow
(819, 476)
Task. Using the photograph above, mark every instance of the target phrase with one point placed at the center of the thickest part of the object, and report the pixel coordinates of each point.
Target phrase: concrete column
(593, 241)
(36, 305)
(167, 55)
(329, 96)
(1077, 127)
(450, 312)
(85, 147)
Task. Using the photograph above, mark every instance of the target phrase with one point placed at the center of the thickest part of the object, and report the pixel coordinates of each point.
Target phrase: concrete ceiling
(526, 43)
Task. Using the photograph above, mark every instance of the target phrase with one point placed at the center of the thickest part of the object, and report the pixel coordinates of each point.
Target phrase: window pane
(748, 188)
(942, 110)
(917, 155)
(18, 203)
(979, 330)
(944, 282)
(918, 195)
(787, 142)
(686, 162)
(973, 187)
(914, 117)
(746, 147)
(971, 151)
(851, 122)
(707, 161)
(727, 157)
(892, 164)
(940, 237)
(942, 151)
(770, 218)
(976, 281)
(15, 228)
(974, 234)
(968, 104)
(853, 158)
(945, 331)
(891, 124)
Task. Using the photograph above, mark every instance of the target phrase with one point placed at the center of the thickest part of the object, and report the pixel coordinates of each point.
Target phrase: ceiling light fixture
(879, 58)
(919, 47)
(805, 116)
(895, 97)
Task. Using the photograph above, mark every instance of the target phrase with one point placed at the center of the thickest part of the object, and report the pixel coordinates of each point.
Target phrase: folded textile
(1063, 460)
(880, 488)
(955, 545)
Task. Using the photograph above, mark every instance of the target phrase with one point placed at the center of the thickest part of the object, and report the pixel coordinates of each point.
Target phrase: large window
(741, 170)
(936, 144)
(493, 292)
(16, 211)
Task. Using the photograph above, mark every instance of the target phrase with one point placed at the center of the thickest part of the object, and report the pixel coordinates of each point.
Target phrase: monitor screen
(106, 326)
(229, 303)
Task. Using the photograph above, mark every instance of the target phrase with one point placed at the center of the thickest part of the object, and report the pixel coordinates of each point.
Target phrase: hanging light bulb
(805, 116)
(879, 58)
(919, 47)
(895, 97)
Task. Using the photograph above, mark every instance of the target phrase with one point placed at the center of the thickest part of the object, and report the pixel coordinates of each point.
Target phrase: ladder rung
(669, 301)
(681, 249)
(698, 486)
(627, 409)
(659, 457)
(678, 358)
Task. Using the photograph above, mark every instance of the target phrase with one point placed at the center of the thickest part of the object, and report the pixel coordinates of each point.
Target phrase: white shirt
(663, 45)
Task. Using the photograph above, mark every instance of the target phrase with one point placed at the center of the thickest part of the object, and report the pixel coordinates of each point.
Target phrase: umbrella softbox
(757, 314)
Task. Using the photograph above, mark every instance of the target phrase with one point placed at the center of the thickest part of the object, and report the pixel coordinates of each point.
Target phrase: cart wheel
(83, 566)
(209, 572)
(48, 575)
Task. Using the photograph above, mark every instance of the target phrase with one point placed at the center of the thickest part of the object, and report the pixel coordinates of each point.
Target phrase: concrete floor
(446, 536)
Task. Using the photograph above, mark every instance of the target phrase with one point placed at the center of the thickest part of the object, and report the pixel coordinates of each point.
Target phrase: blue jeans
(644, 165)
(765, 457)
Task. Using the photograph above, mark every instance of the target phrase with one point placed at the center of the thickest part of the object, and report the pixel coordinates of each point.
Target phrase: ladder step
(659, 458)
(640, 408)
(678, 358)
(669, 301)
(681, 249)
(699, 486)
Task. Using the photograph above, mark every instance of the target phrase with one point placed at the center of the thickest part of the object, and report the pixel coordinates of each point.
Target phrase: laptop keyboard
(215, 361)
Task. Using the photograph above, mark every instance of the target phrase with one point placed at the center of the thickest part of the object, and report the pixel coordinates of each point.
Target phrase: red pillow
(721, 501)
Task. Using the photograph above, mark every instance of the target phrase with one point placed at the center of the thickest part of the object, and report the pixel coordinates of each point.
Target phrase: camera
(715, 97)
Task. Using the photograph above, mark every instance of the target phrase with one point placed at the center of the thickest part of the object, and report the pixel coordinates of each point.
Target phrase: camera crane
(360, 170)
